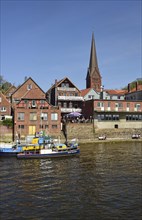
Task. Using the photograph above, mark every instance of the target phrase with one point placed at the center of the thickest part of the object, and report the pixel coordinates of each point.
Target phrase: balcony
(71, 98)
(71, 89)
(68, 110)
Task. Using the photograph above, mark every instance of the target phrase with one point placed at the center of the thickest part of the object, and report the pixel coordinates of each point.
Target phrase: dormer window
(29, 86)
(33, 103)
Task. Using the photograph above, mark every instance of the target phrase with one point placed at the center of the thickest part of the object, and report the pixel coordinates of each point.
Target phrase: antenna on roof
(25, 78)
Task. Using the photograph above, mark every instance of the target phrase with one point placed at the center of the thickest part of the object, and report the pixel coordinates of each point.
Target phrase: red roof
(85, 91)
(116, 92)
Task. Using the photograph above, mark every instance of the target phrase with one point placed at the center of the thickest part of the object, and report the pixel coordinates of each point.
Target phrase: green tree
(8, 123)
(4, 85)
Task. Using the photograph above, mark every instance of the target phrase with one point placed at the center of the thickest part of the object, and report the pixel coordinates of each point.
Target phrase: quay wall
(84, 132)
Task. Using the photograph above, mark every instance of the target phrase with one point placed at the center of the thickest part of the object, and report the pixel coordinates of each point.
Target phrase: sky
(49, 40)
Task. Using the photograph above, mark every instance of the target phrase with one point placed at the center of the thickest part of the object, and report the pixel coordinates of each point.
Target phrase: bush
(8, 123)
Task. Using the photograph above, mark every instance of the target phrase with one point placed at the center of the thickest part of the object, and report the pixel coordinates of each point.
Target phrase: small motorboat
(50, 151)
(136, 136)
(102, 137)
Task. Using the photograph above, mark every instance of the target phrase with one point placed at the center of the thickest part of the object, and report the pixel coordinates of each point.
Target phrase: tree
(8, 123)
(4, 85)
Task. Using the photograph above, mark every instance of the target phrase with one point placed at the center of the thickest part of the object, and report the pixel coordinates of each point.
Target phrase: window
(59, 104)
(128, 105)
(108, 104)
(140, 117)
(33, 116)
(70, 105)
(3, 109)
(115, 117)
(54, 126)
(21, 126)
(54, 116)
(133, 117)
(46, 126)
(33, 103)
(120, 105)
(65, 105)
(102, 117)
(90, 96)
(100, 104)
(44, 116)
(41, 126)
(29, 86)
(42, 101)
(21, 115)
(138, 106)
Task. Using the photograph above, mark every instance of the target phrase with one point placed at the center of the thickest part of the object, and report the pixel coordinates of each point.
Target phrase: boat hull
(49, 155)
(10, 152)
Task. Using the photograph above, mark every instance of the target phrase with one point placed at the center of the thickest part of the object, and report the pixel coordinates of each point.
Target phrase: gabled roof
(115, 91)
(61, 81)
(4, 97)
(86, 91)
(25, 82)
(30, 94)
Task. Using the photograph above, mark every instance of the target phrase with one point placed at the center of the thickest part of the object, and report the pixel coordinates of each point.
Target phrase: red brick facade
(32, 113)
(5, 106)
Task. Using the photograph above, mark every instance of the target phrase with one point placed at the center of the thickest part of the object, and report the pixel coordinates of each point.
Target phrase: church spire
(93, 56)
(93, 79)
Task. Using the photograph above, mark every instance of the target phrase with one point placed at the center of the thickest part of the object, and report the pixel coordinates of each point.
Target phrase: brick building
(65, 95)
(114, 113)
(5, 106)
(31, 111)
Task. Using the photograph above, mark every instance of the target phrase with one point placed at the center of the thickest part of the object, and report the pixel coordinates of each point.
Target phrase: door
(32, 130)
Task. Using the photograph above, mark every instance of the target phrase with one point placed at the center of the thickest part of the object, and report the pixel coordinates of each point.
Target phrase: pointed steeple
(93, 56)
(93, 78)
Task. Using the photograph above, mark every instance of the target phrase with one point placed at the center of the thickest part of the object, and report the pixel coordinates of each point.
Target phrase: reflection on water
(103, 183)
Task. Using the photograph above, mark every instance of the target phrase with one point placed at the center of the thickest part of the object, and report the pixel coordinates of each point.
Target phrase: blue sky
(49, 40)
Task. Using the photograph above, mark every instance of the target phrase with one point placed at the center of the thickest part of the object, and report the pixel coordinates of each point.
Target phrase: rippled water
(104, 183)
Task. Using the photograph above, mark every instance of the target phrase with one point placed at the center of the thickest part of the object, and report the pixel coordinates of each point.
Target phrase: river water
(104, 183)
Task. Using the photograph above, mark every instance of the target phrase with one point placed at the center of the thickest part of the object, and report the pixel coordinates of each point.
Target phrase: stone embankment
(85, 133)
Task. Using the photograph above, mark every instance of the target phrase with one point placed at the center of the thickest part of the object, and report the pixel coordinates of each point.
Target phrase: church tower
(93, 78)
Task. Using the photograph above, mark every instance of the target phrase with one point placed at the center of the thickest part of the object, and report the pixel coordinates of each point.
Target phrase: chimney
(136, 86)
(129, 87)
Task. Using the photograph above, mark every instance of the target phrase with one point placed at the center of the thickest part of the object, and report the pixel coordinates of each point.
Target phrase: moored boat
(11, 151)
(55, 150)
